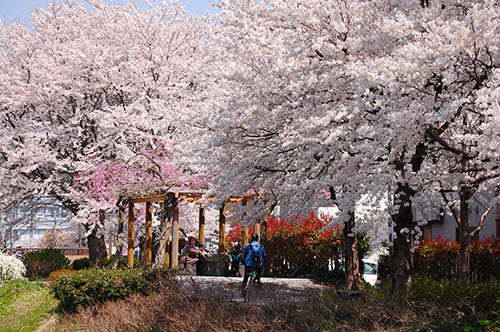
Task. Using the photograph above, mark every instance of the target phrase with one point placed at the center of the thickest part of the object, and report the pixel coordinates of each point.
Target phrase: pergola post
(245, 237)
(256, 229)
(149, 233)
(222, 229)
(167, 250)
(130, 235)
(174, 258)
(201, 226)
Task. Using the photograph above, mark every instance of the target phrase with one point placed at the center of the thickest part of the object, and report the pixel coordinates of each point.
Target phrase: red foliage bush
(302, 246)
(437, 259)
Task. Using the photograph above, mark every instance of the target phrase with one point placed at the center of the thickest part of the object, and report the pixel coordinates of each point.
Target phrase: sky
(11, 10)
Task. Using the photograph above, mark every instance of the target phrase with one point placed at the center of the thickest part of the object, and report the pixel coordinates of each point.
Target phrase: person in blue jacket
(250, 266)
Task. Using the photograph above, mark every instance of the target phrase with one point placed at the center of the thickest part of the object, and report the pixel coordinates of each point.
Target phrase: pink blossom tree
(107, 189)
(91, 86)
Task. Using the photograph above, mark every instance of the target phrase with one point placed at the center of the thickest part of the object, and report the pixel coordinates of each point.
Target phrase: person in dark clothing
(191, 254)
(236, 249)
(250, 266)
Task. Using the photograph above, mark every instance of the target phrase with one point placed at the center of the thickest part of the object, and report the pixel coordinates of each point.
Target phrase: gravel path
(273, 290)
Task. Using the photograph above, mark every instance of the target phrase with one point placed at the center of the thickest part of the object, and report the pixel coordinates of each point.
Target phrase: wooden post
(131, 238)
(245, 237)
(256, 229)
(222, 229)
(149, 233)
(201, 226)
(174, 258)
(167, 250)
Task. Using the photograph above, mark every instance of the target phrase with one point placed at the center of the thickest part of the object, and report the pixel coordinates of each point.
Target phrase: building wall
(448, 229)
(30, 225)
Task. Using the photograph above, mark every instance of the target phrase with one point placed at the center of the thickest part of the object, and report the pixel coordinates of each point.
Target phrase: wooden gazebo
(189, 195)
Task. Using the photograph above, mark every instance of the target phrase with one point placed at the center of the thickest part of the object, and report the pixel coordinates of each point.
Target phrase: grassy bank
(31, 307)
(26, 306)
(169, 309)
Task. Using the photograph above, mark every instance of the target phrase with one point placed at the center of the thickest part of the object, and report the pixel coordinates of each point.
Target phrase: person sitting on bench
(192, 254)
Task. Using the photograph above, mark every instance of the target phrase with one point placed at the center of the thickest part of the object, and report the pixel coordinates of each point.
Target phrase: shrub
(56, 274)
(81, 263)
(304, 247)
(485, 296)
(485, 260)
(91, 286)
(42, 262)
(437, 258)
(12, 267)
(122, 262)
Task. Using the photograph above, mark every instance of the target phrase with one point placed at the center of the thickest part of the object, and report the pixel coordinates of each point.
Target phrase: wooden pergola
(188, 195)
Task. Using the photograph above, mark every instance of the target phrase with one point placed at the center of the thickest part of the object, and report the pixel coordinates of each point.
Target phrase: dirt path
(273, 290)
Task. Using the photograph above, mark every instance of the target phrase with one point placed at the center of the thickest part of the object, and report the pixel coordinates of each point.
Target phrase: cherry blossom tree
(442, 78)
(374, 96)
(91, 86)
(289, 123)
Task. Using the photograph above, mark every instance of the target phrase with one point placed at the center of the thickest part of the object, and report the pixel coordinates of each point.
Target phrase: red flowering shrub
(303, 247)
(485, 260)
(436, 258)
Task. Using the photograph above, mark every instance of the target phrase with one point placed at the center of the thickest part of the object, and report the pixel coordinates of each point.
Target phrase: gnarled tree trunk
(122, 205)
(402, 266)
(352, 277)
(463, 259)
(167, 216)
(97, 245)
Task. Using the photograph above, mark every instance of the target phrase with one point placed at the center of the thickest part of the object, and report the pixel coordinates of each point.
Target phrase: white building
(24, 225)
(440, 221)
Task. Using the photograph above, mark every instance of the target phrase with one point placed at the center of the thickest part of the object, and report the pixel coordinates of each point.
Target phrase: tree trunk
(463, 258)
(102, 241)
(270, 204)
(97, 246)
(167, 216)
(93, 244)
(122, 205)
(352, 278)
(103, 252)
(402, 266)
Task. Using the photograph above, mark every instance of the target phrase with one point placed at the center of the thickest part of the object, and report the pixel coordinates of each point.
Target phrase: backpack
(255, 257)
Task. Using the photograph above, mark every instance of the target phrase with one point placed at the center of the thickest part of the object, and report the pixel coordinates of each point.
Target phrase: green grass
(25, 306)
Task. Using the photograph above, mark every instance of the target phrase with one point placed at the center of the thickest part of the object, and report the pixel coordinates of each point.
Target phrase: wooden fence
(65, 251)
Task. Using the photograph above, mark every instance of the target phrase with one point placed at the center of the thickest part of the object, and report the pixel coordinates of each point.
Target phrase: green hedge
(41, 263)
(91, 286)
(80, 263)
(122, 262)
